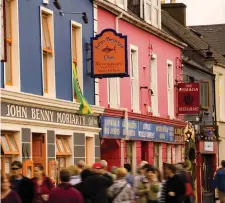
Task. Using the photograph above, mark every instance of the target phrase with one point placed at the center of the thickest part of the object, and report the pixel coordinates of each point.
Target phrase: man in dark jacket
(94, 187)
(65, 193)
(21, 184)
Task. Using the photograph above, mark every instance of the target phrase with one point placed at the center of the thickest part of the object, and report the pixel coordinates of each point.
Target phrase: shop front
(132, 141)
(37, 130)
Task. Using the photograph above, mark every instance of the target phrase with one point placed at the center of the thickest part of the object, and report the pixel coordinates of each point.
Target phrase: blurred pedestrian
(219, 182)
(175, 188)
(21, 184)
(42, 185)
(113, 172)
(81, 165)
(121, 191)
(75, 175)
(8, 195)
(64, 192)
(104, 164)
(129, 177)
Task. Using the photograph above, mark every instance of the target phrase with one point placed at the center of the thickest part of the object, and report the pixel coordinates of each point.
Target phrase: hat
(97, 165)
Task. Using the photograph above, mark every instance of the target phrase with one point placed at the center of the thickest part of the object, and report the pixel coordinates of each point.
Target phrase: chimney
(177, 11)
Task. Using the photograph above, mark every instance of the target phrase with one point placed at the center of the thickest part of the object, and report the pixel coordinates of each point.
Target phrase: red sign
(188, 98)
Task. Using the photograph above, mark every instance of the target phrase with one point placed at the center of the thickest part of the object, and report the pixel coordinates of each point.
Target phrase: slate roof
(178, 30)
(214, 35)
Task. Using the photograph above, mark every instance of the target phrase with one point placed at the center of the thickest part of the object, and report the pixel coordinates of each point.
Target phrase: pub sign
(109, 55)
(188, 98)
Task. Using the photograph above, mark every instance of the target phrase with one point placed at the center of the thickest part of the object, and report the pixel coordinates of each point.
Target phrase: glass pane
(66, 144)
(7, 165)
(62, 163)
(8, 18)
(57, 150)
(61, 148)
(53, 171)
(13, 143)
(155, 17)
(45, 71)
(8, 71)
(148, 11)
(46, 33)
(5, 144)
(74, 44)
(29, 172)
(132, 64)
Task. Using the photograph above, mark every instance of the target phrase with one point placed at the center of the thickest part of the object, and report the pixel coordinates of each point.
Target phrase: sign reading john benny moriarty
(138, 130)
(40, 114)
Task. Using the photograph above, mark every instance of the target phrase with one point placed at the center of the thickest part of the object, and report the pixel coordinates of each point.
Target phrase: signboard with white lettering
(47, 115)
(137, 130)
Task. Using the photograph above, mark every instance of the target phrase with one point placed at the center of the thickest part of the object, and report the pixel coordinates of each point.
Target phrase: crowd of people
(82, 184)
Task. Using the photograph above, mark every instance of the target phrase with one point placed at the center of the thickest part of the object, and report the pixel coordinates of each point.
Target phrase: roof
(187, 36)
(214, 35)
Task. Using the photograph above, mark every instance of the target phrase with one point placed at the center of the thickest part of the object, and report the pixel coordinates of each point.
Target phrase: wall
(142, 40)
(30, 47)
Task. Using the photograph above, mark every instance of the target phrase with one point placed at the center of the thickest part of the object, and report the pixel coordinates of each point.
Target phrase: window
(77, 58)
(204, 94)
(156, 155)
(154, 85)
(114, 92)
(170, 89)
(221, 96)
(8, 23)
(136, 6)
(152, 12)
(48, 63)
(121, 3)
(134, 78)
(9, 148)
(62, 146)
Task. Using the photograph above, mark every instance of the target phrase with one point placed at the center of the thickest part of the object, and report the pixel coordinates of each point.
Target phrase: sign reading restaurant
(188, 98)
(109, 55)
(41, 114)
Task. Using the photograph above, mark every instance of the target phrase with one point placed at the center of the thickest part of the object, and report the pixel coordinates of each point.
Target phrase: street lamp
(209, 59)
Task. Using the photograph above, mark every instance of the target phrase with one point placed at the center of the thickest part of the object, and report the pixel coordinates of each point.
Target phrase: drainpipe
(117, 21)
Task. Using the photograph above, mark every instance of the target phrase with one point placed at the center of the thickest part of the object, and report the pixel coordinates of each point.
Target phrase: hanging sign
(188, 98)
(109, 55)
(209, 132)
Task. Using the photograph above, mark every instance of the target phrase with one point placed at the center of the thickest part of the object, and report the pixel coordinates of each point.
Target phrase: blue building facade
(40, 118)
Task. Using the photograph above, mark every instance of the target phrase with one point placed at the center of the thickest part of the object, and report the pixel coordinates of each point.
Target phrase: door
(39, 149)
(144, 151)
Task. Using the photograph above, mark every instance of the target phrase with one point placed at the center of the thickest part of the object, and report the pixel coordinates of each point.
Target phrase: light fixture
(57, 4)
(84, 15)
(209, 59)
(188, 134)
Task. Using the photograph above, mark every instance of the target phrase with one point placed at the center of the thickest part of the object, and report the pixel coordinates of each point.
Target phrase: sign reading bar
(109, 55)
(40, 114)
(188, 98)
(138, 130)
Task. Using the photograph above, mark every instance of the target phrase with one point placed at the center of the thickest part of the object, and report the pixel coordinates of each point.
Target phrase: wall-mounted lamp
(84, 15)
(57, 4)
(209, 59)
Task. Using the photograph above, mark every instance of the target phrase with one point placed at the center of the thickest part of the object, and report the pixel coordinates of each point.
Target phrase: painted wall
(30, 47)
(142, 40)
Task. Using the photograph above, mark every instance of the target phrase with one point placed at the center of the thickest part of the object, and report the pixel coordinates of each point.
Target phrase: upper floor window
(48, 63)
(221, 96)
(134, 78)
(170, 88)
(76, 48)
(204, 94)
(8, 23)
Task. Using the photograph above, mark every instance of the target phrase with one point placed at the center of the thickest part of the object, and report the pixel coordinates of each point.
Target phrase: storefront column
(164, 152)
(138, 152)
(50, 146)
(97, 148)
(26, 143)
(150, 153)
(79, 147)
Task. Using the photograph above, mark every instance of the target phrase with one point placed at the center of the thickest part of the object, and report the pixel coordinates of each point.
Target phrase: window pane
(121, 2)
(46, 33)
(45, 71)
(132, 64)
(8, 18)
(5, 144)
(66, 144)
(62, 163)
(13, 143)
(155, 19)
(7, 165)
(148, 11)
(74, 45)
(61, 148)
(8, 71)
(57, 150)
(204, 92)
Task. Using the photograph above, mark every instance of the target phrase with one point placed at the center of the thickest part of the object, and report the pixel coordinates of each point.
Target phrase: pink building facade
(140, 120)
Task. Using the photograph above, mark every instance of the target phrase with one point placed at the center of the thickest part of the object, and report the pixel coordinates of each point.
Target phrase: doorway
(39, 149)
(144, 151)
(89, 150)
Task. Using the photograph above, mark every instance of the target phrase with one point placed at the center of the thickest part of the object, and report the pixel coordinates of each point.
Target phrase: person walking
(75, 176)
(8, 195)
(175, 188)
(42, 185)
(129, 177)
(64, 192)
(21, 184)
(121, 191)
(219, 182)
(154, 185)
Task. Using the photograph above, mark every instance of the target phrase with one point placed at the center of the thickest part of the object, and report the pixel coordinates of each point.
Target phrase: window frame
(221, 96)
(123, 6)
(11, 152)
(170, 88)
(65, 153)
(8, 42)
(206, 82)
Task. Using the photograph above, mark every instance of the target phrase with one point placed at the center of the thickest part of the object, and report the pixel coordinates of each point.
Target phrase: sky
(204, 12)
